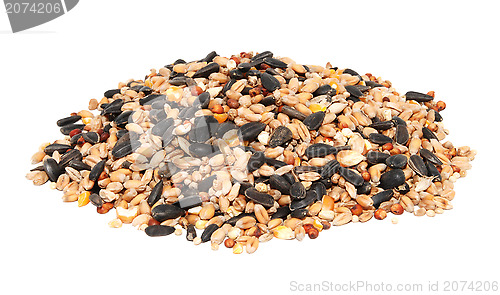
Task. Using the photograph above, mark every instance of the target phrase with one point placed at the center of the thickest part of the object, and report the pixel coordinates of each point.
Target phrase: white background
(46, 73)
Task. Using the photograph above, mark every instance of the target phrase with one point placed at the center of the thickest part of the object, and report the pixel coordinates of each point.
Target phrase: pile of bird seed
(245, 149)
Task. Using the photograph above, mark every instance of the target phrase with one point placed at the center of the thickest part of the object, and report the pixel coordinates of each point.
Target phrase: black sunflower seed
(392, 178)
(155, 194)
(208, 231)
(302, 203)
(314, 120)
(379, 138)
(166, 211)
(320, 150)
(91, 137)
(188, 202)
(69, 156)
(280, 137)
(281, 212)
(255, 161)
(201, 149)
(190, 232)
(299, 213)
(52, 169)
(329, 169)
(374, 157)
(278, 182)
(96, 200)
(207, 70)
(417, 164)
(429, 156)
(428, 134)
(152, 98)
(60, 148)
(432, 171)
(417, 96)
(70, 127)
(262, 55)
(382, 125)
(159, 230)
(297, 191)
(110, 93)
(292, 113)
(68, 120)
(97, 170)
(381, 197)
(264, 199)
(354, 91)
(351, 176)
(123, 118)
(275, 63)
(397, 161)
(402, 136)
(79, 165)
(269, 82)
(250, 131)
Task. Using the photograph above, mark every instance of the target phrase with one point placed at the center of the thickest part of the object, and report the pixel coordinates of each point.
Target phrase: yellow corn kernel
(221, 118)
(318, 225)
(315, 107)
(83, 199)
(174, 93)
(237, 248)
(86, 120)
(200, 224)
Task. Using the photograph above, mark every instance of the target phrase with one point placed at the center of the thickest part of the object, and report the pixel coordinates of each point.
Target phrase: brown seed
(105, 208)
(397, 209)
(380, 214)
(233, 103)
(153, 221)
(387, 147)
(229, 243)
(326, 224)
(356, 210)
(313, 233)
